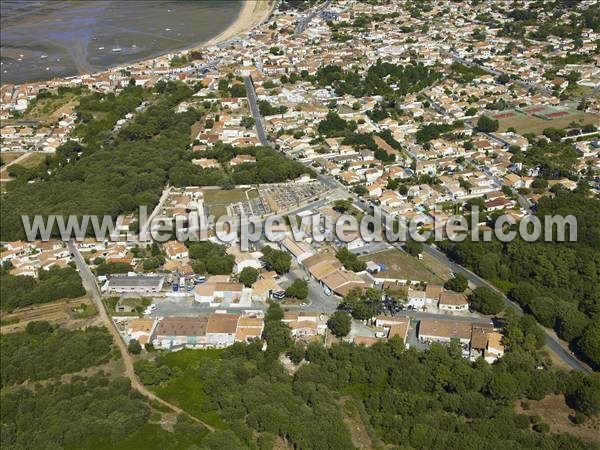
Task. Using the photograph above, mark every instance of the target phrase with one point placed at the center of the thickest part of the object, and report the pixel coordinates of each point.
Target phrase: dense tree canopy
(340, 323)
(350, 260)
(378, 79)
(486, 301)
(276, 260)
(298, 289)
(424, 399)
(44, 351)
(54, 284)
(557, 282)
(210, 258)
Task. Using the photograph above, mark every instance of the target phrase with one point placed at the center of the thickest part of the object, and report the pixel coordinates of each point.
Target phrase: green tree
(248, 276)
(587, 396)
(248, 122)
(298, 289)
(486, 124)
(340, 323)
(486, 300)
(134, 347)
(276, 260)
(589, 343)
(413, 248)
(350, 260)
(458, 283)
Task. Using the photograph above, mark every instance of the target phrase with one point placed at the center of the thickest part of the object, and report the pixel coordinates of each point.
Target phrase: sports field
(528, 123)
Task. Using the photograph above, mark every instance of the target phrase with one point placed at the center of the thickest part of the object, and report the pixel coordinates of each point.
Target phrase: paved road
(89, 282)
(559, 347)
(251, 94)
(303, 23)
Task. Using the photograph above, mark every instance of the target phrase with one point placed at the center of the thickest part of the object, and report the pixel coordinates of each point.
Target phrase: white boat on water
(100, 48)
(117, 50)
(44, 56)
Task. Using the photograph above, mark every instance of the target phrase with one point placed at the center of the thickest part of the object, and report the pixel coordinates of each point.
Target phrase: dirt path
(89, 283)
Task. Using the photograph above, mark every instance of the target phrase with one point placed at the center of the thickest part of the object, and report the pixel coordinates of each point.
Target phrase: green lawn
(402, 266)
(217, 210)
(185, 389)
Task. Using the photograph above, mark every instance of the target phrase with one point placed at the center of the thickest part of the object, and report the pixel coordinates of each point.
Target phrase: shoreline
(251, 14)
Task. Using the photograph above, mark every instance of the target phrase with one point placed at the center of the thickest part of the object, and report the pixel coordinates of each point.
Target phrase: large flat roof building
(138, 283)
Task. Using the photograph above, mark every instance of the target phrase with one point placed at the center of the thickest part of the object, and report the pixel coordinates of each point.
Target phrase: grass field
(218, 199)
(34, 160)
(530, 124)
(402, 266)
(8, 157)
(227, 196)
(185, 390)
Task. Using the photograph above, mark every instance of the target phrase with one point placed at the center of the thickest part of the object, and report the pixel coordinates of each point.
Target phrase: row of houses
(217, 330)
(434, 295)
(477, 340)
(28, 258)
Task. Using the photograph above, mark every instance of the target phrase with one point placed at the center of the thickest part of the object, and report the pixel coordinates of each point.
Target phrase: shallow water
(63, 38)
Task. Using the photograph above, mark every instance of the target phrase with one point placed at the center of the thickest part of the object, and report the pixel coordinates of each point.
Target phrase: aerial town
(342, 107)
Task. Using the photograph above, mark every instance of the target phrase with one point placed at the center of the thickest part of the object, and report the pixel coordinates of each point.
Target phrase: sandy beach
(253, 13)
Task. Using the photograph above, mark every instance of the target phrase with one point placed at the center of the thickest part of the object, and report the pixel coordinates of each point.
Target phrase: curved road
(557, 346)
(89, 282)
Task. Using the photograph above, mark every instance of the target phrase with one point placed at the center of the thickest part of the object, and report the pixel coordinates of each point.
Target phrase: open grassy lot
(34, 160)
(217, 200)
(226, 196)
(555, 412)
(8, 157)
(530, 124)
(59, 312)
(49, 110)
(185, 389)
(402, 266)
